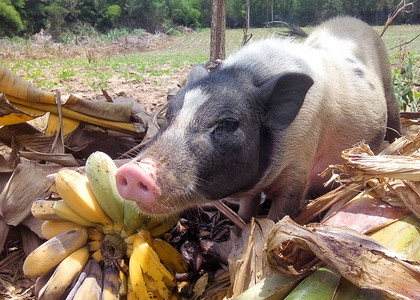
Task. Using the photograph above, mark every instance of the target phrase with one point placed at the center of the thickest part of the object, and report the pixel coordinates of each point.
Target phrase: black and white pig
(269, 119)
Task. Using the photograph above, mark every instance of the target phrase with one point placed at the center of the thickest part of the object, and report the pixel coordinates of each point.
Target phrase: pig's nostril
(123, 182)
(142, 186)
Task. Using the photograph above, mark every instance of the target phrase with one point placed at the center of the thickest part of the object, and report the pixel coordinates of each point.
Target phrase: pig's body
(270, 118)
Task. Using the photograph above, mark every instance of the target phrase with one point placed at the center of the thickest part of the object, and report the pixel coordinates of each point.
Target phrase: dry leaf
(17, 197)
(366, 213)
(4, 232)
(341, 194)
(247, 261)
(356, 257)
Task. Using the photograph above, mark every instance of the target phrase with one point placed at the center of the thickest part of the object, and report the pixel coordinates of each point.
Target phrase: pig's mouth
(138, 181)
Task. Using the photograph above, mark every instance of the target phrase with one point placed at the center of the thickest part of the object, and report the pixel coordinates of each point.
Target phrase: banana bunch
(100, 246)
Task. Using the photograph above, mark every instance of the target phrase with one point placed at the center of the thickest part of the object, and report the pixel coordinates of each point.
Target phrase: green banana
(100, 171)
(133, 218)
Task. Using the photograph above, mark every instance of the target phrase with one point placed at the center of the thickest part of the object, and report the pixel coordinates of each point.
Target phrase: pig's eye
(228, 124)
(223, 136)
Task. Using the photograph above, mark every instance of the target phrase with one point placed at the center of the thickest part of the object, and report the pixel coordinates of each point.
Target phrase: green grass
(183, 51)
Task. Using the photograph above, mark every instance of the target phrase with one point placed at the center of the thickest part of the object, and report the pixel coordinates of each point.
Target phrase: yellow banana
(100, 171)
(128, 252)
(93, 246)
(123, 280)
(130, 239)
(145, 260)
(91, 287)
(82, 276)
(133, 218)
(97, 255)
(95, 235)
(53, 251)
(158, 226)
(64, 274)
(43, 209)
(50, 183)
(136, 286)
(170, 257)
(112, 283)
(64, 211)
(74, 189)
(50, 229)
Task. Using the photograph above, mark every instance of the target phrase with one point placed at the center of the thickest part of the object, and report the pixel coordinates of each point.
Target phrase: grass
(181, 52)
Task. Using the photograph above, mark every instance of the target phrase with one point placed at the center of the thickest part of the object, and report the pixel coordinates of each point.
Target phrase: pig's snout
(137, 182)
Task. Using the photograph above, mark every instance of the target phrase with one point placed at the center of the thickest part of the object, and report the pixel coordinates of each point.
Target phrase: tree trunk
(248, 13)
(218, 26)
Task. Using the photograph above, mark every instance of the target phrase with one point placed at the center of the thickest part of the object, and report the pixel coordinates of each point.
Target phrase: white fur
(340, 109)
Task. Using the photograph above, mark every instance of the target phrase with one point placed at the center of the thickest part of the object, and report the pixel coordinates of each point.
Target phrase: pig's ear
(198, 72)
(282, 97)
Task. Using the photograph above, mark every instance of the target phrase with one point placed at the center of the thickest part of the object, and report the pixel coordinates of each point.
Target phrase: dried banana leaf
(4, 232)
(390, 166)
(356, 257)
(247, 260)
(13, 85)
(343, 193)
(366, 213)
(17, 197)
(26, 102)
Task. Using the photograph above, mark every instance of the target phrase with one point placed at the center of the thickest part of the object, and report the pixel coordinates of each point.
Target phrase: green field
(69, 74)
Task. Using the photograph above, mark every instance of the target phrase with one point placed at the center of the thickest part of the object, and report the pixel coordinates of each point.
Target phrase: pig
(269, 118)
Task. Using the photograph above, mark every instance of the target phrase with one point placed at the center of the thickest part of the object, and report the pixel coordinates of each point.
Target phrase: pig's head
(217, 141)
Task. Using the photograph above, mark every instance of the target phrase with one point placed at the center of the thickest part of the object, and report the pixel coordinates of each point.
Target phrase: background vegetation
(58, 17)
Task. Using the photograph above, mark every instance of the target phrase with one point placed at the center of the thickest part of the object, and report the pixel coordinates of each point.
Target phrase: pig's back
(345, 105)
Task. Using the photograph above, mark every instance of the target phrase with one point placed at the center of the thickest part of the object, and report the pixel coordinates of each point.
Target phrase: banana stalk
(319, 285)
(402, 236)
(348, 291)
(100, 171)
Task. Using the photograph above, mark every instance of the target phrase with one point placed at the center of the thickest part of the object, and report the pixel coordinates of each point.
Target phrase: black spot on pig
(359, 73)
(350, 60)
